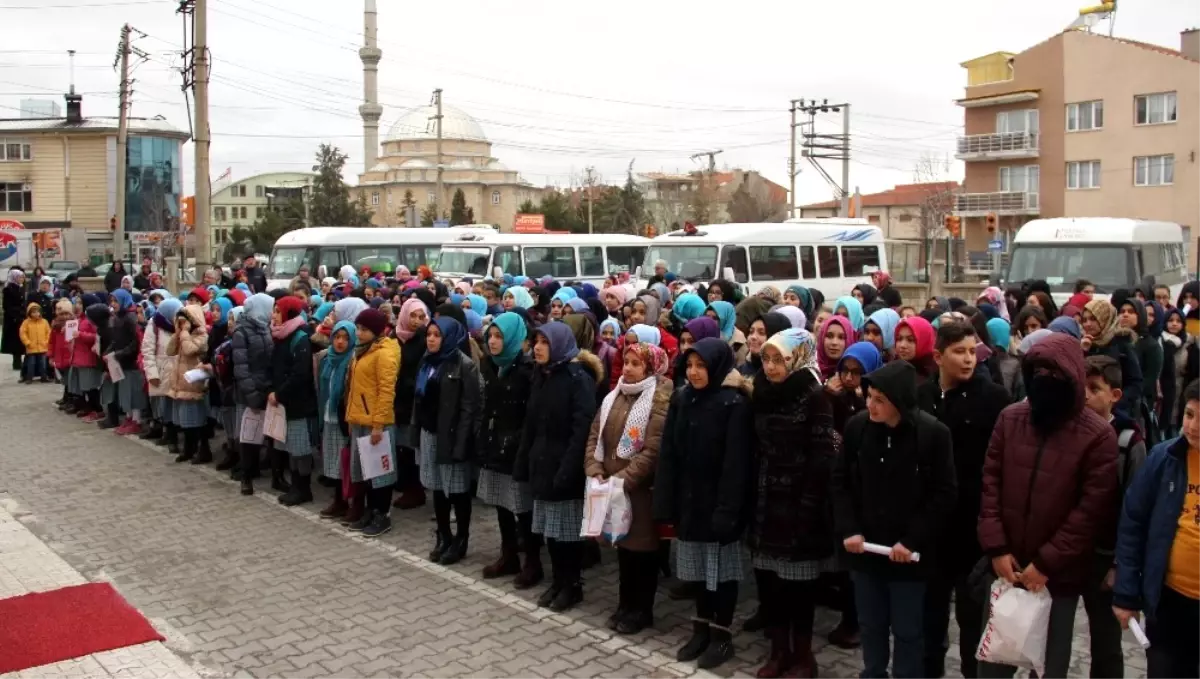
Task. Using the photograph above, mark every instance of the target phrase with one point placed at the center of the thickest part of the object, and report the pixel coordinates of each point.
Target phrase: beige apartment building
(246, 201)
(409, 163)
(1081, 125)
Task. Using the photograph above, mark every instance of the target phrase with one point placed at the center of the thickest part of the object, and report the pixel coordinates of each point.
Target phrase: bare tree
(751, 202)
(935, 203)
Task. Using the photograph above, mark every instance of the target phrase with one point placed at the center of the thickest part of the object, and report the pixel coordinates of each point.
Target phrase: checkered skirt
(561, 520)
(499, 490)
(708, 562)
(162, 408)
(298, 442)
(131, 392)
(82, 380)
(189, 414)
(357, 432)
(449, 478)
(801, 571)
(332, 442)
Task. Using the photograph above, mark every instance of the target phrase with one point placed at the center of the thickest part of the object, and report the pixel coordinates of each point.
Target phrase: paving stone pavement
(245, 587)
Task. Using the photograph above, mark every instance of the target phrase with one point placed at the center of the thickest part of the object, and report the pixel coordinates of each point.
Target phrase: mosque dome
(418, 124)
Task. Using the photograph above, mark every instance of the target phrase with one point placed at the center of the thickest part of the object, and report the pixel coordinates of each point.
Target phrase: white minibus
(565, 256)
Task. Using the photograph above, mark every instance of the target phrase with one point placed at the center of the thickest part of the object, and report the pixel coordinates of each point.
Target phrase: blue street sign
(995, 246)
(441, 223)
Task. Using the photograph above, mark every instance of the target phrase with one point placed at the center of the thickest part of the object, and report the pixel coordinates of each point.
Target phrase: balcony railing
(1000, 203)
(998, 146)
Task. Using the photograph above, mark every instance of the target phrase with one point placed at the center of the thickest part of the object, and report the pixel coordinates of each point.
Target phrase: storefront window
(153, 185)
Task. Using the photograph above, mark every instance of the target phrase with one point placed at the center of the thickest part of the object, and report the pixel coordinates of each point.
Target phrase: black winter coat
(969, 411)
(256, 279)
(252, 349)
(704, 482)
(457, 405)
(14, 315)
(125, 345)
(406, 379)
(1122, 348)
(292, 376)
(795, 448)
(895, 485)
(142, 282)
(216, 337)
(505, 398)
(112, 279)
(562, 403)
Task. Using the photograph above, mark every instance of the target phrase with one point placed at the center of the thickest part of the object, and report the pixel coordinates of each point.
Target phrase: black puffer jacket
(562, 404)
(256, 279)
(125, 343)
(406, 379)
(292, 376)
(795, 447)
(704, 482)
(252, 348)
(895, 485)
(969, 411)
(505, 398)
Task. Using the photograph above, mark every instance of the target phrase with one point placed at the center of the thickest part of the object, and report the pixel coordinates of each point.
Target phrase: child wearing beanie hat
(295, 390)
(374, 320)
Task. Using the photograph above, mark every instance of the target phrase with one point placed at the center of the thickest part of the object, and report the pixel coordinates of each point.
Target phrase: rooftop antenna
(71, 61)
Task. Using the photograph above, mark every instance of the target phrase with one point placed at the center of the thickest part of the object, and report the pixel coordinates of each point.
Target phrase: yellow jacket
(35, 333)
(372, 392)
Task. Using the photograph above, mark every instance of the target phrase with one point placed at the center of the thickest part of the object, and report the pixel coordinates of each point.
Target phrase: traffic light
(187, 210)
(990, 219)
(953, 225)
(112, 223)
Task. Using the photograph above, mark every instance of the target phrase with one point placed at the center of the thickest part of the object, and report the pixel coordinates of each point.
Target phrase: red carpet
(48, 627)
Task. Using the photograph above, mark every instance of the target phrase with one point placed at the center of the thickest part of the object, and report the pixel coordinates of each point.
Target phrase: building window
(1086, 115)
(260, 212)
(1154, 170)
(431, 199)
(1024, 121)
(243, 209)
(238, 191)
(389, 197)
(1083, 174)
(375, 198)
(16, 197)
(218, 214)
(1155, 109)
(15, 150)
(259, 192)
(495, 197)
(422, 175)
(220, 236)
(905, 217)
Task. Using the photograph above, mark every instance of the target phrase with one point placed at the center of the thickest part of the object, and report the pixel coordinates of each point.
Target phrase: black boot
(462, 516)
(230, 460)
(571, 592)
(170, 436)
(113, 419)
(191, 440)
(153, 432)
(279, 465)
(697, 644)
(247, 466)
(204, 455)
(300, 492)
(720, 649)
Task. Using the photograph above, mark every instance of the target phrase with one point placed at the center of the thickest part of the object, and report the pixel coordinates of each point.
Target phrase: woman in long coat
(623, 444)
(14, 315)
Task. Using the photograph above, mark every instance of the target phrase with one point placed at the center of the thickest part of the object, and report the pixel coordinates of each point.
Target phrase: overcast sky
(559, 86)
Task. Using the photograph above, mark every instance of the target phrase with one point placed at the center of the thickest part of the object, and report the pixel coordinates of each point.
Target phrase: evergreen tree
(329, 200)
(429, 215)
(458, 209)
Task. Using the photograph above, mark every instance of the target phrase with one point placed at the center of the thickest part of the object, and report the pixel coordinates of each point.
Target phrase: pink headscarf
(619, 292)
(412, 284)
(463, 287)
(402, 319)
(828, 365)
(995, 297)
(403, 274)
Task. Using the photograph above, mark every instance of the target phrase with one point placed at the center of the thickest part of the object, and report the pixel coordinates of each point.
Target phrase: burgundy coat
(1046, 499)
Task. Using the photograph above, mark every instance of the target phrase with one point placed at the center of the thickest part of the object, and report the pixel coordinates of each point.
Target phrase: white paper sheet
(115, 373)
(883, 550)
(71, 330)
(196, 375)
(376, 459)
(252, 427)
(275, 422)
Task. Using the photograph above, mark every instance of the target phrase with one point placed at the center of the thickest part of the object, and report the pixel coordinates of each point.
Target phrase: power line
(85, 6)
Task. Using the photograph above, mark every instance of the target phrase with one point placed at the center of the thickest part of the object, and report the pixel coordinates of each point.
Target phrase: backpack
(1125, 441)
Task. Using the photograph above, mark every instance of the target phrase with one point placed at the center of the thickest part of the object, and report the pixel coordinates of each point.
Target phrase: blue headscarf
(164, 317)
(588, 291)
(519, 280)
(1067, 326)
(611, 322)
(259, 308)
(507, 279)
(688, 306)
(244, 288)
(349, 308)
(564, 295)
(647, 334)
(521, 296)
(124, 299)
(333, 369)
(478, 304)
(224, 306)
(322, 311)
(453, 333)
(456, 298)
(474, 322)
(887, 320)
(726, 314)
(853, 311)
(563, 346)
(1155, 329)
(1000, 333)
(514, 331)
(577, 304)
(867, 355)
(806, 300)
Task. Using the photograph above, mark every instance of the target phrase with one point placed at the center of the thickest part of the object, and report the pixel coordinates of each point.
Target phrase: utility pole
(122, 145)
(437, 99)
(712, 159)
(828, 146)
(589, 181)
(792, 162)
(201, 137)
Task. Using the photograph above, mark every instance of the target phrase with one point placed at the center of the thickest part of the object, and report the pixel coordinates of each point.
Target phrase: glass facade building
(154, 184)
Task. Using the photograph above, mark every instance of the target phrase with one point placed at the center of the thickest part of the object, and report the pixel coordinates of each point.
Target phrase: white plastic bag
(595, 508)
(1017, 629)
(620, 513)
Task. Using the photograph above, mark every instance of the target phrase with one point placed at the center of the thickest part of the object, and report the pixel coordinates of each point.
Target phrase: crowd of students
(1004, 438)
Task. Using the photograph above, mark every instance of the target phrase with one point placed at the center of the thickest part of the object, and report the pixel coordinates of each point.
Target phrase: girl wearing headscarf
(218, 332)
(517, 297)
(795, 444)
(1103, 335)
(799, 296)
(995, 297)
(1006, 364)
(623, 443)
(369, 415)
(915, 339)
(647, 309)
(770, 293)
(446, 415)
(834, 335)
(333, 374)
(614, 298)
(851, 308)
(880, 330)
(762, 329)
(864, 293)
(129, 393)
(794, 315)
(506, 373)
(562, 402)
(1148, 350)
(1030, 319)
(477, 303)
(702, 491)
(158, 368)
(85, 357)
(1175, 341)
(748, 310)
(294, 390)
(540, 311)
(721, 290)
(188, 345)
(845, 387)
(725, 315)
(411, 323)
(252, 349)
(610, 331)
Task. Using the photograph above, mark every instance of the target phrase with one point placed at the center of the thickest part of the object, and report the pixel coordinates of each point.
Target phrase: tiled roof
(901, 194)
(1147, 46)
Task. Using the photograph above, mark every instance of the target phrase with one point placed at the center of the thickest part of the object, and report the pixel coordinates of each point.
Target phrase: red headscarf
(923, 334)
(828, 366)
